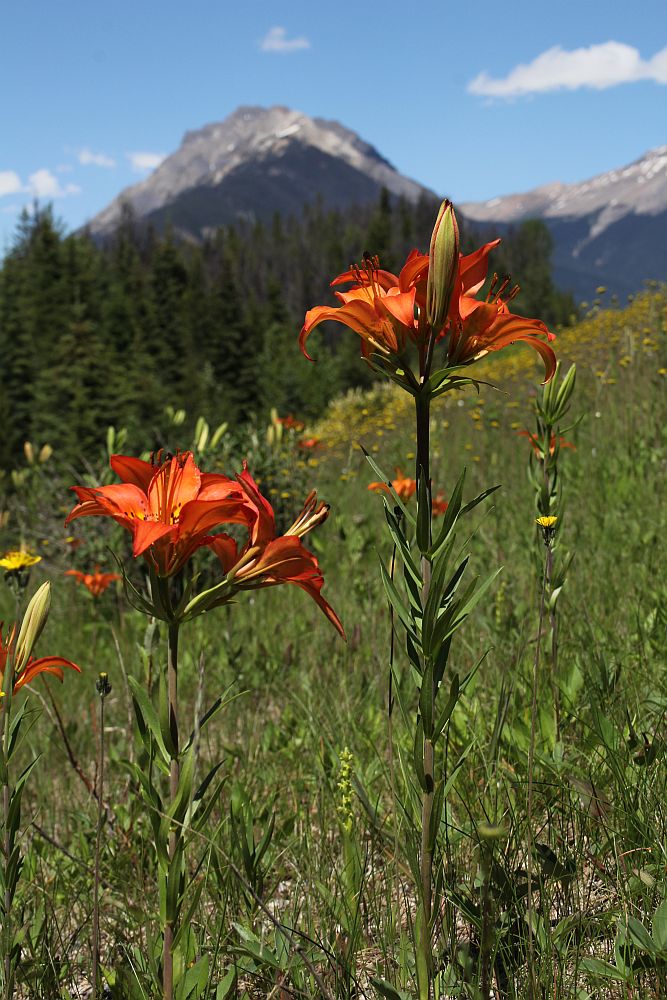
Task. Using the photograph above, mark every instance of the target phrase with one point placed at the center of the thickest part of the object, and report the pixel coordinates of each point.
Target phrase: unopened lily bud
(29, 452)
(443, 265)
(45, 453)
(33, 622)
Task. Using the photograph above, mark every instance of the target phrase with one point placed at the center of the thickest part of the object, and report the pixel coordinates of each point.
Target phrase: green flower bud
(34, 620)
(443, 265)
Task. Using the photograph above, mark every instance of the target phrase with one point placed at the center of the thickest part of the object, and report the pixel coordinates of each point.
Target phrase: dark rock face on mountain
(257, 162)
(610, 230)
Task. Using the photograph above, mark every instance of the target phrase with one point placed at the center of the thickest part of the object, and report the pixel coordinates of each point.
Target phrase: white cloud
(44, 184)
(145, 161)
(276, 40)
(10, 183)
(598, 66)
(87, 158)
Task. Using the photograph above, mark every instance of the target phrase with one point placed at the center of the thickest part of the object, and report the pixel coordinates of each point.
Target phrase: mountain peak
(607, 230)
(255, 162)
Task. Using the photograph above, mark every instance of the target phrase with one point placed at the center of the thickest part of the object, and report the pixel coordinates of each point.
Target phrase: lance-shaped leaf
(447, 625)
(446, 713)
(401, 543)
(387, 991)
(427, 699)
(423, 532)
(418, 754)
(186, 918)
(467, 507)
(148, 720)
(134, 597)
(450, 516)
(388, 367)
(440, 596)
(398, 605)
(409, 516)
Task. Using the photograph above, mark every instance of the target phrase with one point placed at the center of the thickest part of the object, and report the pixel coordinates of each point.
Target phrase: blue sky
(472, 100)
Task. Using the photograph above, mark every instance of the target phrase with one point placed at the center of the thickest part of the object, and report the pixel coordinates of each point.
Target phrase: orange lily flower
(439, 505)
(402, 486)
(291, 423)
(537, 447)
(95, 582)
(312, 442)
(477, 327)
(267, 560)
(380, 306)
(169, 506)
(45, 664)
(389, 311)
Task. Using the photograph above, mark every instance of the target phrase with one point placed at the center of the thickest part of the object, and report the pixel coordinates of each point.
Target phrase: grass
(306, 885)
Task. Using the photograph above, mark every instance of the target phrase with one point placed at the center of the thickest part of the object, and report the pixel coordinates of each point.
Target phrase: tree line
(94, 335)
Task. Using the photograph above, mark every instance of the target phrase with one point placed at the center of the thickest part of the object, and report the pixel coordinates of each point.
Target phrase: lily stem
(174, 769)
(8, 837)
(423, 474)
(98, 848)
(7, 846)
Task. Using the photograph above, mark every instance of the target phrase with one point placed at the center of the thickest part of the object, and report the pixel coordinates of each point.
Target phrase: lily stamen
(310, 516)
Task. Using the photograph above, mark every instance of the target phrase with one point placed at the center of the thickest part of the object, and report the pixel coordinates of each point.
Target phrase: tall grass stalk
(530, 908)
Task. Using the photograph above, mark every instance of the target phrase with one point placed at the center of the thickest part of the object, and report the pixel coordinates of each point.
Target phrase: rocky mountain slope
(256, 162)
(609, 230)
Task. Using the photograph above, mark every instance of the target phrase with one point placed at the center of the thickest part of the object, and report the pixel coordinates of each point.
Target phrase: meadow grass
(304, 864)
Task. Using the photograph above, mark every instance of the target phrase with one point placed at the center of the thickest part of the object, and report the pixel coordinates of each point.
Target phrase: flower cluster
(171, 508)
(96, 582)
(391, 311)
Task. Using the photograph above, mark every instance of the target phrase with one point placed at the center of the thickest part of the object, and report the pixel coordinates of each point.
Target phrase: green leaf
(436, 813)
(435, 592)
(401, 542)
(478, 499)
(174, 885)
(426, 699)
(187, 918)
(222, 701)
(451, 514)
(133, 596)
(163, 704)
(195, 979)
(253, 947)
(418, 754)
(387, 991)
(397, 604)
(423, 514)
(468, 603)
(640, 936)
(227, 985)
(378, 472)
(147, 717)
(659, 926)
(602, 970)
(14, 727)
(446, 713)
